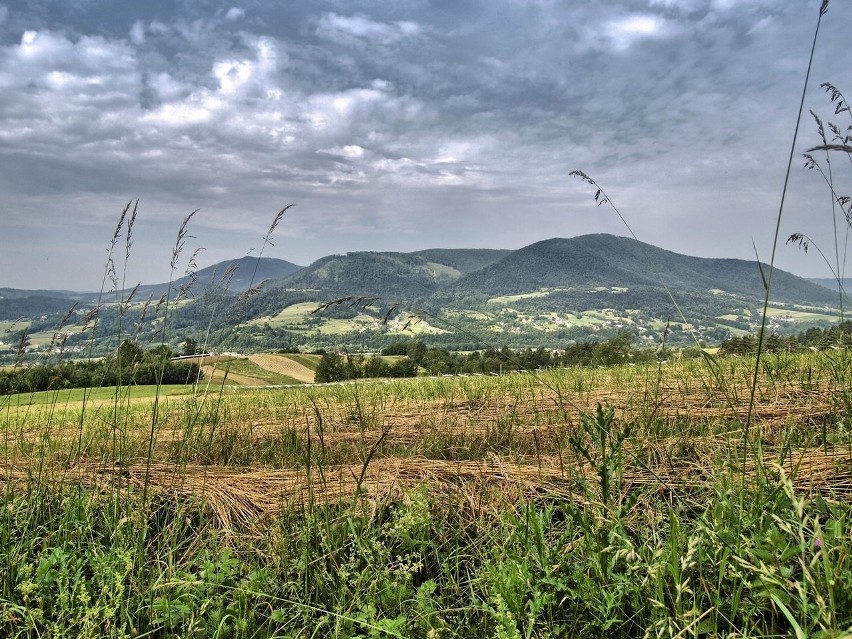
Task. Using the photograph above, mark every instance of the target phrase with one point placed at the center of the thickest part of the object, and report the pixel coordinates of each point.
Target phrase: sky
(405, 125)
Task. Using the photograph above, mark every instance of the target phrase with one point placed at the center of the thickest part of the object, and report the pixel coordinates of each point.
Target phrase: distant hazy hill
(246, 271)
(18, 303)
(830, 282)
(17, 293)
(29, 306)
(603, 260)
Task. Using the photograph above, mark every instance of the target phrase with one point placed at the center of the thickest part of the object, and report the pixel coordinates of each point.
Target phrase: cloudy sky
(405, 125)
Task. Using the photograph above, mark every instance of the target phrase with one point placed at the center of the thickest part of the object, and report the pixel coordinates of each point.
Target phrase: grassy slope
(101, 396)
(490, 507)
(463, 260)
(605, 260)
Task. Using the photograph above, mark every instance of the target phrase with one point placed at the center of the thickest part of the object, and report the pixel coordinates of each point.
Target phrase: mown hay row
(240, 497)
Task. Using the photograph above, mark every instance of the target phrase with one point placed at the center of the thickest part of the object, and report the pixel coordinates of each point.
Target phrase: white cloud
(358, 27)
(137, 33)
(232, 74)
(47, 72)
(237, 79)
(726, 5)
(333, 113)
(167, 87)
(624, 32)
(197, 109)
(234, 13)
(464, 150)
(679, 5)
(350, 151)
(158, 27)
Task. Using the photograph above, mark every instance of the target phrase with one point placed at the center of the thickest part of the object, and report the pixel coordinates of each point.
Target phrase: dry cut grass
(488, 440)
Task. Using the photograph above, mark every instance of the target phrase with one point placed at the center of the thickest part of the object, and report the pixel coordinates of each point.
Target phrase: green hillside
(584, 263)
(33, 306)
(399, 275)
(463, 260)
(234, 275)
(551, 293)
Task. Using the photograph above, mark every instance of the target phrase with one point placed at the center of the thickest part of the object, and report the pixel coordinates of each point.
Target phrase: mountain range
(546, 293)
(557, 265)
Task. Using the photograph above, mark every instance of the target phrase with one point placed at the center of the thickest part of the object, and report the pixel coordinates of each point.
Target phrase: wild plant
(761, 337)
(841, 205)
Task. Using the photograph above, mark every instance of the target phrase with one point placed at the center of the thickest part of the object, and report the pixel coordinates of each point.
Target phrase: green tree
(403, 368)
(435, 362)
(399, 348)
(331, 368)
(416, 351)
(189, 347)
(614, 351)
(129, 355)
(158, 354)
(375, 367)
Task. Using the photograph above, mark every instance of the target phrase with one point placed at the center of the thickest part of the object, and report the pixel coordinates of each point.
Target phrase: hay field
(619, 502)
(256, 452)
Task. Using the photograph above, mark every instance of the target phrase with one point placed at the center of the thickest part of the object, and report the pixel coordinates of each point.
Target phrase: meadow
(671, 499)
(625, 501)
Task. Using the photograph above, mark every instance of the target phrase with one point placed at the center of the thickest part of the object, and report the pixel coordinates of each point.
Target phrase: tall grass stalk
(177, 249)
(93, 317)
(839, 143)
(768, 285)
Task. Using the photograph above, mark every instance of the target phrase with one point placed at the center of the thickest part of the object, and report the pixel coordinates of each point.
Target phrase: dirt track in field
(283, 366)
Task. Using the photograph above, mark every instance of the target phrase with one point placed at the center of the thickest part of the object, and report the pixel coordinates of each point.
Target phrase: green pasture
(797, 314)
(308, 361)
(293, 314)
(106, 393)
(508, 299)
(457, 508)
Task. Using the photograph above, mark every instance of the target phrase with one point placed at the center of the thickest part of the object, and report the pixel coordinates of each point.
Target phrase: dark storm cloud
(403, 125)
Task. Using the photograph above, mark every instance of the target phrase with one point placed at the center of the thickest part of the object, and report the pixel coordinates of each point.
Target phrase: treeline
(437, 361)
(334, 367)
(128, 366)
(837, 336)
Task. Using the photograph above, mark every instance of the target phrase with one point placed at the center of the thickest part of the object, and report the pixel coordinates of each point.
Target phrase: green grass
(308, 361)
(9, 328)
(798, 315)
(508, 299)
(73, 395)
(591, 555)
(293, 314)
(444, 271)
